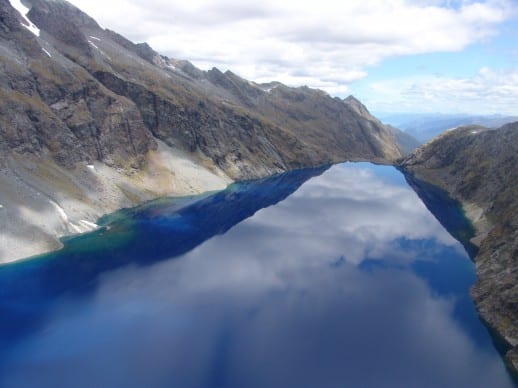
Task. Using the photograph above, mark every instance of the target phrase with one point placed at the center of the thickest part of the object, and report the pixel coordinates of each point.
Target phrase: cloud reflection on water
(271, 303)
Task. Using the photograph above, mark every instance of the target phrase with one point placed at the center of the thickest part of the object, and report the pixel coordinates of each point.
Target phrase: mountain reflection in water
(345, 279)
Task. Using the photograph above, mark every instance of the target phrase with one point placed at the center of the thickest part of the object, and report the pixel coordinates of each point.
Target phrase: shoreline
(494, 249)
(187, 177)
(42, 202)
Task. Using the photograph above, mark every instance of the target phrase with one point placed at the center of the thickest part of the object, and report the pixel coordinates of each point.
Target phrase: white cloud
(486, 92)
(326, 44)
(288, 35)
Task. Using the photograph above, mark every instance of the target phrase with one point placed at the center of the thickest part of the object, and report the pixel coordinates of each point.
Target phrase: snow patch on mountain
(23, 10)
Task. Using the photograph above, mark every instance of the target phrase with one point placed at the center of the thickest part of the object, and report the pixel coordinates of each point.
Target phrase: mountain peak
(61, 9)
(62, 21)
(357, 106)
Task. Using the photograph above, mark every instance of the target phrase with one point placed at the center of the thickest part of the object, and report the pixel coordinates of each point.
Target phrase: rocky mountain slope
(478, 167)
(91, 122)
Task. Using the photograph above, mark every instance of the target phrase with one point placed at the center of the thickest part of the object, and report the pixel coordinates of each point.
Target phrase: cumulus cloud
(486, 92)
(298, 31)
(326, 44)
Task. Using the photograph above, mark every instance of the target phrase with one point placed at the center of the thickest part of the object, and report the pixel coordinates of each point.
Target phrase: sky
(448, 56)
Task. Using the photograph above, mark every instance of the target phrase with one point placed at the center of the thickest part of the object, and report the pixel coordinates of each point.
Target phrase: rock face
(74, 95)
(478, 167)
(82, 93)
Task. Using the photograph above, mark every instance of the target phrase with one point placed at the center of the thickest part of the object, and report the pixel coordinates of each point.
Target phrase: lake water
(315, 278)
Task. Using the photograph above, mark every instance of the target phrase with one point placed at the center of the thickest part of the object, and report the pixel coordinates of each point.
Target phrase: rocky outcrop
(477, 166)
(89, 117)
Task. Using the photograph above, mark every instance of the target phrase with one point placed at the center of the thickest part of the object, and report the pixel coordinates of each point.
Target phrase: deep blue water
(315, 278)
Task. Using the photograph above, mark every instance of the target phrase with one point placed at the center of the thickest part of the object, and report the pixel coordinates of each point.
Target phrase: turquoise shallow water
(335, 277)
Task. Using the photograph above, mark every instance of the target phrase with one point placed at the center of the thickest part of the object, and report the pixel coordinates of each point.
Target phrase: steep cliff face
(91, 91)
(52, 106)
(91, 122)
(478, 167)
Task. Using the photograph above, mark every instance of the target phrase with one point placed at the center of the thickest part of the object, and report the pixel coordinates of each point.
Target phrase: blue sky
(450, 56)
(498, 55)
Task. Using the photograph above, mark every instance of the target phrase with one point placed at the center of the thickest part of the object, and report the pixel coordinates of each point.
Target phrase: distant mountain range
(426, 126)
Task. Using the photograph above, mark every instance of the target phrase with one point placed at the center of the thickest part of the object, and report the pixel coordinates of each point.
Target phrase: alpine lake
(330, 277)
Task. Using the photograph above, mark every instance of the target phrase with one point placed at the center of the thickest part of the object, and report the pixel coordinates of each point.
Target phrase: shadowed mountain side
(407, 143)
(130, 238)
(446, 210)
